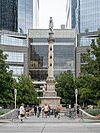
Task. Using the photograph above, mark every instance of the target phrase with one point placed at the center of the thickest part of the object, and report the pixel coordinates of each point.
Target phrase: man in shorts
(22, 112)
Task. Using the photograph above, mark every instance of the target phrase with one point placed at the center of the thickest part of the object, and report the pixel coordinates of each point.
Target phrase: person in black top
(39, 111)
(35, 110)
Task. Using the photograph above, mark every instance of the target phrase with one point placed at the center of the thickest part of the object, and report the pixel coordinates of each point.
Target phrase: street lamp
(76, 93)
(15, 93)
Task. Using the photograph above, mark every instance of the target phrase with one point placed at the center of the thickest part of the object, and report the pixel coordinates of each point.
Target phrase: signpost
(76, 93)
(15, 93)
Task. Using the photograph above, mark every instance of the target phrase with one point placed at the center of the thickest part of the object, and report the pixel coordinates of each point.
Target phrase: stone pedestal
(50, 95)
(52, 101)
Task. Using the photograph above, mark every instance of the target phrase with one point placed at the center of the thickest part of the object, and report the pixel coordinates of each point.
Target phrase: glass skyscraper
(88, 27)
(71, 6)
(88, 15)
(18, 15)
(88, 21)
(9, 15)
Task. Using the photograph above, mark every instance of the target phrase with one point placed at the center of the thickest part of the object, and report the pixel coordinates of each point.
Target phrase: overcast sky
(52, 8)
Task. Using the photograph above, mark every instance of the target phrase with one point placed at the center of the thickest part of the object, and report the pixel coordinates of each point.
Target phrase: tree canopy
(65, 87)
(6, 81)
(89, 83)
(26, 92)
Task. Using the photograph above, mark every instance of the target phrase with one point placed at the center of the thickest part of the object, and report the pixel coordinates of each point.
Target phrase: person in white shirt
(22, 111)
(46, 110)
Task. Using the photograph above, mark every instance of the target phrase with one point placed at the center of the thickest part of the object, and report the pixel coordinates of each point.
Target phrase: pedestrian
(49, 110)
(39, 111)
(58, 109)
(27, 111)
(78, 111)
(42, 109)
(18, 112)
(35, 110)
(46, 110)
(73, 112)
(22, 112)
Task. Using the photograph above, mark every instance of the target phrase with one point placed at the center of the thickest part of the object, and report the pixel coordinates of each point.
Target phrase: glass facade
(88, 15)
(35, 14)
(64, 58)
(25, 15)
(7, 40)
(85, 41)
(17, 70)
(71, 6)
(19, 15)
(8, 15)
(15, 46)
(15, 56)
(88, 21)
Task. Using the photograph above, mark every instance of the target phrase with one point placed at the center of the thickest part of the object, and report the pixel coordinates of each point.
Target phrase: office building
(18, 15)
(64, 53)
(9, 15)
(71, 6)
(88, 15)
(15, 46)
(88, 27)
(88, 20)
(35, 14)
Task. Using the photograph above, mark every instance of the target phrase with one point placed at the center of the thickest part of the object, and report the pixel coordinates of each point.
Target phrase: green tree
(26, 92)
(89, 84)
(65, 87)
(86, 86)
(6, 81)
(93, 58)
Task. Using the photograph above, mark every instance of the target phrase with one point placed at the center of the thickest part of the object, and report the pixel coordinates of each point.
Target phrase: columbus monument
(50, 95)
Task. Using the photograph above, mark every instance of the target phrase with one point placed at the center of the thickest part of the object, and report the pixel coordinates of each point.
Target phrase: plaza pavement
(34, 124)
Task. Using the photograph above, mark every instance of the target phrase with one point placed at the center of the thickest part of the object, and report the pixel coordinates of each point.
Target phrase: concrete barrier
(10, 115)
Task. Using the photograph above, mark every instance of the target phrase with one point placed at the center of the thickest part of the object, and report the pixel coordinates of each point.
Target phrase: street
(50, 125)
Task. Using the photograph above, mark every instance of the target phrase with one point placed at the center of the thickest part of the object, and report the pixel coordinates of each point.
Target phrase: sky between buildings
(52, 8)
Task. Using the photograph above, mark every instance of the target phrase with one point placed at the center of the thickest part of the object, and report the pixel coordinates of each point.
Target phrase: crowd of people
(44, 111)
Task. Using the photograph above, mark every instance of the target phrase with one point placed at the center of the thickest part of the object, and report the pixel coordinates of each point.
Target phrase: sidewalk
(36, 124)
(4, 120)
(51, 119)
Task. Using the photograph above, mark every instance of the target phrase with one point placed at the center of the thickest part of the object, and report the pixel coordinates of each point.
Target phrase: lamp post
(76, 93)
(15, 93)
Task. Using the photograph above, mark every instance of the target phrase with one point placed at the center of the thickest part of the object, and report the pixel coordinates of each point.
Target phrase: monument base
(50, 95)
(52, 101)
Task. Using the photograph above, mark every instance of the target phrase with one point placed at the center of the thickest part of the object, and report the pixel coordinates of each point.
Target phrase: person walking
(27, 111)
(22, 112)
(46, 110)
(49, 110)
(42, 109)
(78, 110)
(35, 110)
(39, 111)
(58, 109)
